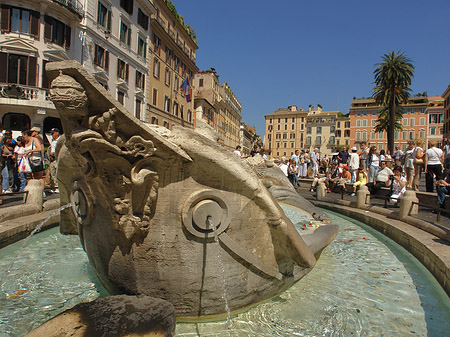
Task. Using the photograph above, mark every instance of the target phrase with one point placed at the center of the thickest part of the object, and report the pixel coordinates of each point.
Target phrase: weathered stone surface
(148, 203)
(113, 316)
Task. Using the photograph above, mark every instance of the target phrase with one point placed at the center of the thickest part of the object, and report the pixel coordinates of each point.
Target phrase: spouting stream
(229, 324)
(25, 241)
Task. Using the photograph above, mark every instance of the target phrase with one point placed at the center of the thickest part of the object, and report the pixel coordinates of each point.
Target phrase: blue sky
(279, 53)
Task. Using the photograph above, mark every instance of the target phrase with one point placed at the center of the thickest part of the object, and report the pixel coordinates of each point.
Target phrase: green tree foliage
(393, 78)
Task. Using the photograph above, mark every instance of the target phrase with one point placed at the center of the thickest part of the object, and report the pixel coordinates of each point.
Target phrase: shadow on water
(433, 299)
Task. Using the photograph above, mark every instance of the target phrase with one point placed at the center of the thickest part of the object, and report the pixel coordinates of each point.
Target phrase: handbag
(36, 163)
(24, 166)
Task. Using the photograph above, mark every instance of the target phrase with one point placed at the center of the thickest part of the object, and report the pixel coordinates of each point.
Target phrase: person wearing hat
(52, 156)
(354, 163)
(35, 132)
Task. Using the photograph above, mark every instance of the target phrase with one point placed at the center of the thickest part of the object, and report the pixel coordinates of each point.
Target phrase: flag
(186, 87)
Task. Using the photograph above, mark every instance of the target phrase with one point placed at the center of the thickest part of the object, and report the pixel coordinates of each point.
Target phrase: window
(142, 19)
(125, 34)
(101, 57)
(156, 65)
(18, 69)
(122, 70)
(364, 135)
(284, 135)
(404, 135)
(422, 134)
(332, 140)
(308, 140)
(332, 128)
(278, 136)
(318, 140)
(127, 5)
(167, 77)
(412, 122)
(104, 16)
(347, 124)
(155, 96)
(154, 120)
(168, 56)
(346, 133)
(396, 134)
(175, 108)
(138, 107)
(364, 122)
(57, 32)
(200, 84)
(166, 104)
(181, 112)
(292, 144)
(293, 126)
(292, 135)
(373, 135)
(374, 122)
(358, 123)
(189, 116)
(432, 130)
(142, 47)
(405, 121)
(166, 124)
(319, 130)
(157, 44)
(358, 135)
(308, 130)
(176, 84)
(120, 96)
(20, 21)
(411, 135)
(140, 80)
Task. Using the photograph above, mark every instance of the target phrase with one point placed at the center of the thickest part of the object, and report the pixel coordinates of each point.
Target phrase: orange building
(364, 114)
(446, 98)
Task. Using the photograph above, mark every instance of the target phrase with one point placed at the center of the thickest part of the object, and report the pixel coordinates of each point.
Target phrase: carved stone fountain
(144, 198)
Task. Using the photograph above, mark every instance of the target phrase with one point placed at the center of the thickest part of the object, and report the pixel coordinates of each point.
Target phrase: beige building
(285, 131)
(435, 112)
(320, 130)
(342, 134)
(218, 105)
(446, 122)
(172, 60)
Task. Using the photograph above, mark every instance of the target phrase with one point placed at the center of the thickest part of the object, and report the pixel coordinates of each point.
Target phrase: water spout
(211, 225)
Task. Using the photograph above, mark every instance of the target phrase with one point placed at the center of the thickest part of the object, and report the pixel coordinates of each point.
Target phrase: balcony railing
(74, 6)
(24, 92)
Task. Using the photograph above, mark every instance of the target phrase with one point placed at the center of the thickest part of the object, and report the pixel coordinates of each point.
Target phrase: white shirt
(434, 155)
(375, 161)
(284, 169)
(53, 144)
(237, 153)
(354, 161)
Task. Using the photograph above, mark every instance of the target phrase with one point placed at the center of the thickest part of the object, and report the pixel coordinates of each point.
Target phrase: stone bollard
(35, 197)
(406, 204)
(321, 191)
(363, 197)
(270, 163)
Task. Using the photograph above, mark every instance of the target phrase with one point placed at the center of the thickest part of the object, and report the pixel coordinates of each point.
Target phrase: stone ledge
(431, 251)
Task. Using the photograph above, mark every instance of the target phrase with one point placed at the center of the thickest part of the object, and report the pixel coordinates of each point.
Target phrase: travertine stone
(408, 204)
(363, 197)
(35, 198)
(149, 202)
(321, 191)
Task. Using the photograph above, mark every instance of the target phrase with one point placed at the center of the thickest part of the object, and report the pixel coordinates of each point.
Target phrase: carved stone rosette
(152, 206)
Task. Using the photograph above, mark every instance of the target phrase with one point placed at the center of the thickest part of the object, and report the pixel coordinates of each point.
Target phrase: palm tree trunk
(391, 127)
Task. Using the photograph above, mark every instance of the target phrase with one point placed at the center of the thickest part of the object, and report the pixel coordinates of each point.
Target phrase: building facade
(342, 134)
(218, 105)
(364, 115)
(446, 122)
(172, 60)
(321, 130)
(285, 131)
(435, 127)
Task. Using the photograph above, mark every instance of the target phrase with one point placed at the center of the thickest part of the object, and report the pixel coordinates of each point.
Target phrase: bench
(13, 194)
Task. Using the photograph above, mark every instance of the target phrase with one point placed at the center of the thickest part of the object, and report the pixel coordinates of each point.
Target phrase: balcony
(31, 96)
(74, 6)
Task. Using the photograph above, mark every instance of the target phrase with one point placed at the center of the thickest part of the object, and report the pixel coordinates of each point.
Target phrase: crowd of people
(25, 157)
(376, 169)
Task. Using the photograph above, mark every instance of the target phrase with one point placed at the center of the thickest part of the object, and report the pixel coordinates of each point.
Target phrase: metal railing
(74, 6)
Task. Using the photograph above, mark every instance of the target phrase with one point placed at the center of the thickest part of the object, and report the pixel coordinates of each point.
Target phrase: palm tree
(393, 77)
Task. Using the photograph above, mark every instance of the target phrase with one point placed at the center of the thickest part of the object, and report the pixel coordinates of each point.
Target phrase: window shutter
(3, 66)
(118, 68)
(32, 67)
(5, 19)
(99, 6)
(48, 25)
(106, 60)
(129, 37)
(35, 20)
(126, 73)
(143, 82)
(108, 24)
(44, 75)
(96, 58)
(68, 36)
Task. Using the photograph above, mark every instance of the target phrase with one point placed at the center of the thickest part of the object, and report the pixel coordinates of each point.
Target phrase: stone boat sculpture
(150, 203)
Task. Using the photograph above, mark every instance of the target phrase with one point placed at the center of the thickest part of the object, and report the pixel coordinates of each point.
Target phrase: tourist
(361, 180)
(388, 159)
(345, 178)
(398, 185)
(315, 159)
(7, 153)
(255, 151)
(364, 153)
(418, 155)
(443, 187)
(296, 157)
(36, 134)
(303, 170)
(19, 151)
(343, 157)
(354, 163)
(384, 173)
(283, 166)
(333, 174)
(321, 176)
(308, 162)
(33, 150)
(53, 168)
(397, 156)
(237, 151)
(293, 173)
(373, 163)
(409, 164)
(434, 158)
(262, 152)
(446, 150)
(326, 160)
